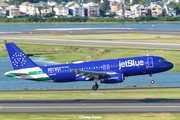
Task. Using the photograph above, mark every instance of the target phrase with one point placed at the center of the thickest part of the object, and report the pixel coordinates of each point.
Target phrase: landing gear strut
(95, 86)
(152, 81)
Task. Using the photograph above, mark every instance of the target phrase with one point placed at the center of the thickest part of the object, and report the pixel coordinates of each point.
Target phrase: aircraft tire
(152, 81)
(95, 87)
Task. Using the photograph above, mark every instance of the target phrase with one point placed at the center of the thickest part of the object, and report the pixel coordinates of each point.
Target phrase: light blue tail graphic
(18, 58)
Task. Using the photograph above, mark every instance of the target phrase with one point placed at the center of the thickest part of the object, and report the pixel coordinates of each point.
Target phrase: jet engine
(113, 78)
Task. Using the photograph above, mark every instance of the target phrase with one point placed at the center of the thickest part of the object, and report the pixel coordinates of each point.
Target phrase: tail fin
(18, 58)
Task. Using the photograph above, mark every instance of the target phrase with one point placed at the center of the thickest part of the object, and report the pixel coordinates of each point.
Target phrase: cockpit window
(162, 60)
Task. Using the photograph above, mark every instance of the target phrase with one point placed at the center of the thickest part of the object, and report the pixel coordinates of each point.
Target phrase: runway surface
(95, 42)
(72, 31)
(106, 31)
(7, 35)
(90, 106)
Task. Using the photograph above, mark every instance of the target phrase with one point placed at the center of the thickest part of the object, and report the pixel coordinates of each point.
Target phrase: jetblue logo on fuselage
(131, 63)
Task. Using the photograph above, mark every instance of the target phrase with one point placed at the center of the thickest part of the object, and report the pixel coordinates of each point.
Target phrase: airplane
(106, 71)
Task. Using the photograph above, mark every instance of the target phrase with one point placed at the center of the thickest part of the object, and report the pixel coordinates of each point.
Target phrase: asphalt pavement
(7, 36)
(94, 42)
(88, 31)
(90, 106)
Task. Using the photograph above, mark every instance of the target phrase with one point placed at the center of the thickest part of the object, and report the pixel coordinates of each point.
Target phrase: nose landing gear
(152, 81)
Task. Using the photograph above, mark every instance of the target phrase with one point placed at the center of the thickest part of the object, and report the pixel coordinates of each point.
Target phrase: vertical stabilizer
(18, 58)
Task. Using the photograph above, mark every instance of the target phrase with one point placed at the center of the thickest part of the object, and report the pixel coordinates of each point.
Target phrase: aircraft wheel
(152, 81)
(95, 87)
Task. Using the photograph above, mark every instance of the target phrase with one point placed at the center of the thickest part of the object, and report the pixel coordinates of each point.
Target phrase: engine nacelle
(113, 78)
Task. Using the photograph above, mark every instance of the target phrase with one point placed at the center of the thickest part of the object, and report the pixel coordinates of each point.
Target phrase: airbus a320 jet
(106, 71)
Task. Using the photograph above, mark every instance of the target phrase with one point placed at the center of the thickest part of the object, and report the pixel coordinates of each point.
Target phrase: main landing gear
(152, 81)
(95, 86)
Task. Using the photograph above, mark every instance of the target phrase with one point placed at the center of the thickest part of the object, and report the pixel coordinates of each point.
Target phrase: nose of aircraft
(170, 65)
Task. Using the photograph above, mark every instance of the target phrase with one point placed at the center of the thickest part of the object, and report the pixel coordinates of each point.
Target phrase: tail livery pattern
(18, 58)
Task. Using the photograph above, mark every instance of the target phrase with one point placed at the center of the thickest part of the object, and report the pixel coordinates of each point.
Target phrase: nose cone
(170, 65)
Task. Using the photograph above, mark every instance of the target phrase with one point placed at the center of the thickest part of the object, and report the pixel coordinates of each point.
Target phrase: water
(170, 79)
(9, 28)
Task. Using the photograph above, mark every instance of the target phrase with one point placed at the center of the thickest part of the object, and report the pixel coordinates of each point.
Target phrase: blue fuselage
(127, 66)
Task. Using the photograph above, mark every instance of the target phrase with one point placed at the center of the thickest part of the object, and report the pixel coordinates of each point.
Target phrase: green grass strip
(90, 94)
(123, 116)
